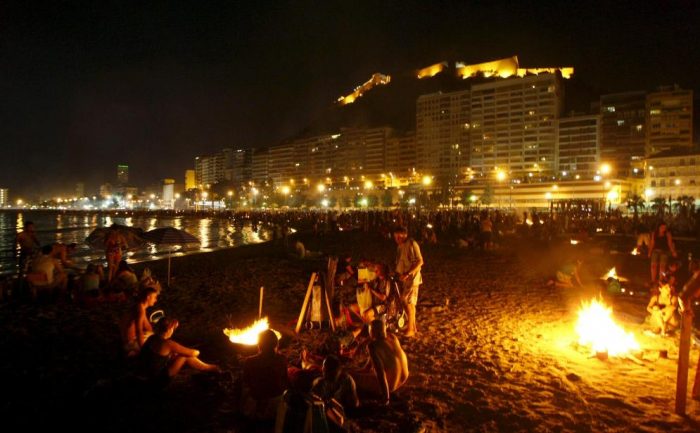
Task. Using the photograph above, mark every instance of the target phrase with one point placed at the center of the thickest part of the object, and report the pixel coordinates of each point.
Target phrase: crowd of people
(275, 389)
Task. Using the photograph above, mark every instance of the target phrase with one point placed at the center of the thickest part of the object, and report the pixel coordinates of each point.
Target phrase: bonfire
(612, 273)
(249, 336)
(635, 251)
(597, 329)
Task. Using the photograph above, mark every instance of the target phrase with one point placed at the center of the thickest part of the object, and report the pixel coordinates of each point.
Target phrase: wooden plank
(683, 363)
(305, 305)
(330, 311)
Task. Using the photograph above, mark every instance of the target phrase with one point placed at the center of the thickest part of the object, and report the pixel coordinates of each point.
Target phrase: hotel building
(623, 133)
(513, 126)
(578, 146)
(442, 133)
(669, 120)
(673, 173)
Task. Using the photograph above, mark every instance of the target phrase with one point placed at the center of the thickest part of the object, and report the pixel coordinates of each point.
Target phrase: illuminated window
(620, 122)
(610, 109)
(638, 128)
(655, 112)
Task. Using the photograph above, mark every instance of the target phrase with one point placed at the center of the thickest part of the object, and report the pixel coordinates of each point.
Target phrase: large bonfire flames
(249, 336)
(596, 328)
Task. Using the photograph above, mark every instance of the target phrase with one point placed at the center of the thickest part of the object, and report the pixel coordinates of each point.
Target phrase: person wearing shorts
(409, 262)
(661, 246)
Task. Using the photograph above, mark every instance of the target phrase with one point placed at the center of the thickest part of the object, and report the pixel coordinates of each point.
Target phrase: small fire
(528, 221)
(635, 252)
(612, 273)
(249, 336)
(596, 328)
(574, 242)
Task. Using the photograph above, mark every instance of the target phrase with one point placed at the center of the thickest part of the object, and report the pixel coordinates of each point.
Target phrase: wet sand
(495, 352)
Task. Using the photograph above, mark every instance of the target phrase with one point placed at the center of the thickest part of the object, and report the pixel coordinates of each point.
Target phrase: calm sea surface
(214, 233)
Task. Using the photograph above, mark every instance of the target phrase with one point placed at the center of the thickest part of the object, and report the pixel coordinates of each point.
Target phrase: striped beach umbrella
(170, 236)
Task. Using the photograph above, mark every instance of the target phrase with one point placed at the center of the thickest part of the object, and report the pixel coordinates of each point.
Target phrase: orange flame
(249, 336)
(596, 328)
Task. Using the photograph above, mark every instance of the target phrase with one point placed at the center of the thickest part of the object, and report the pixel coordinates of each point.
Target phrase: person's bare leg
(654, 269)
(411, 313)
(176, 365)
(200, 365)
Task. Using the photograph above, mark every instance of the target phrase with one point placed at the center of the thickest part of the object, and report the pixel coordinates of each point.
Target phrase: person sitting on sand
(662, 309)
(90, 281)
(371, 295)
(135, 327)
(264, 378)
(63, 253)
(336, 384)
(125, 282)
(162, 358)
(47, 274)
(387, 369)
(569, 276)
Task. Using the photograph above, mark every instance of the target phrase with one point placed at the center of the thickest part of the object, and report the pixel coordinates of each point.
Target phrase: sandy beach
(495, 352)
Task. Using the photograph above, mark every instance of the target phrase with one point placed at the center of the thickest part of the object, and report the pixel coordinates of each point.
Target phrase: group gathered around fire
(327, 381)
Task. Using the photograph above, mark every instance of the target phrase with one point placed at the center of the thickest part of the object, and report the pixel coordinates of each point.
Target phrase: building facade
(669, 120)
(4, 197)
(673, 173)
(122, 175)
(442, 134)
(623, 131)
(209, 169)
(578, 146)
(513, 126)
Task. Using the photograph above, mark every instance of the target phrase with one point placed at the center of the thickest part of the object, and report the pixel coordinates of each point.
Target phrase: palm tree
(659, 205)
(684, 204)
(635, 202)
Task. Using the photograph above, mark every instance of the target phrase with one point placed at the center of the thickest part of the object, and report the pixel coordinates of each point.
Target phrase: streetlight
(427, 180)
(605, 169)
(320, 187)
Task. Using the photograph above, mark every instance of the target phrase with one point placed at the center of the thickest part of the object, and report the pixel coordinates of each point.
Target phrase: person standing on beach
(661, 246)
(114, 243)
(28, 244)
(409, 262)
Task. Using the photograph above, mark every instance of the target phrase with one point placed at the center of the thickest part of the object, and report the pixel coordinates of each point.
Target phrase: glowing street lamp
(285, 190)
(427, 180)
(369, 184)
(501, 175)
(605, 169)
(230, 193)
(320, 187)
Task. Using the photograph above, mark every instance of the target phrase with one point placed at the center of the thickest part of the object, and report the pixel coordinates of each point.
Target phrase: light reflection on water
(52, 227)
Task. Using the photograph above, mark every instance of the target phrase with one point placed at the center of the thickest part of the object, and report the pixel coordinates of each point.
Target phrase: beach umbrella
(133, 236)
(169, 236)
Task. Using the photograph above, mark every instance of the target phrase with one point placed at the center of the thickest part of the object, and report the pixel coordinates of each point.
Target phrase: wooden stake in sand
(262, 292)
(302, 313)
(683, 363)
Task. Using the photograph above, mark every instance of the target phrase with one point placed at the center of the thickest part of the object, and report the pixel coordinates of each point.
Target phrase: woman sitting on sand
(161, 358)
(662, 309)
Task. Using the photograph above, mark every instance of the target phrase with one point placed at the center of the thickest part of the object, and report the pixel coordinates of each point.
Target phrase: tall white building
(513, 126)
(442, 133)
(578, 146)
(209, 169)
(4, 197)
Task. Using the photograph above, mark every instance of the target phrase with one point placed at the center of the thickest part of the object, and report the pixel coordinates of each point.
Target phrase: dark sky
(87, 85)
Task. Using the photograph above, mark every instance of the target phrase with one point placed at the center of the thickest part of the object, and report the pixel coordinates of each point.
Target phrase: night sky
(87, 85)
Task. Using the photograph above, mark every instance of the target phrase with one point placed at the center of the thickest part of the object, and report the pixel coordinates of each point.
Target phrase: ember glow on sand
(249, 336)
(597, 329)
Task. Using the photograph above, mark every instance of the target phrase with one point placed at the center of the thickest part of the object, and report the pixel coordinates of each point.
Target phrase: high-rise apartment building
(623, 132)
(578, 146)
(442, 133)
(669, 120)
(4, 197)
(190, 180)
(122, 175)
(80, 189)
(259, 165)
(513, 126)
(237, 165)
(401, 155)
(281, 163)
(209, 169)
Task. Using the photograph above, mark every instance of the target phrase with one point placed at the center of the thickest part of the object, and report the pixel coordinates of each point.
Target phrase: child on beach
(135, 327)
